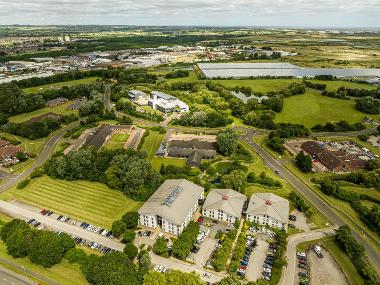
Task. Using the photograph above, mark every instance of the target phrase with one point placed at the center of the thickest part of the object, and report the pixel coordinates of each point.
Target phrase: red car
(243, 267)
(43, 212)
(200, 220)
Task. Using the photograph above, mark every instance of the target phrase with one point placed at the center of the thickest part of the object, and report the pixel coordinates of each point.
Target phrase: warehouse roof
(269, 204)
(228, 200)
(173, 200)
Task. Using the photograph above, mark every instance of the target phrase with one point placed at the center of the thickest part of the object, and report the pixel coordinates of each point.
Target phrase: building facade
(172, 206)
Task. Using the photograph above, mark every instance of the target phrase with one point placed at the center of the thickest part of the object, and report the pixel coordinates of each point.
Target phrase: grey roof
(269, 204)
(163, 95)
(228, 200)
(192, 144)
(177, 208)
(99, 137)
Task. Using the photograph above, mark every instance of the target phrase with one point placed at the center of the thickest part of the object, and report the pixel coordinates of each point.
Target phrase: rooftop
(173, 200)
(228, 200)
(269, 204)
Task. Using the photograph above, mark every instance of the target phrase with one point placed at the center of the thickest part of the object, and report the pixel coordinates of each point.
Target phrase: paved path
(289, 274)
(22, 213)
(329, 211)
(8, 277)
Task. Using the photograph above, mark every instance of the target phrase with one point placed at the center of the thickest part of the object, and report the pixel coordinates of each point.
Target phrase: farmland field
(312, 108)
(60, 109)
(59, 85)
(92, 202)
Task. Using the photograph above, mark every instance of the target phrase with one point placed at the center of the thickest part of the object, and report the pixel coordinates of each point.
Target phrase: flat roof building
(172, 206)
(268, 209)
(224, 205)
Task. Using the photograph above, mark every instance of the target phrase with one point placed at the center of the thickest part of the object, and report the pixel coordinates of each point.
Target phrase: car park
(301, 254)
(292, 218)
(291, 225)
(267, 270)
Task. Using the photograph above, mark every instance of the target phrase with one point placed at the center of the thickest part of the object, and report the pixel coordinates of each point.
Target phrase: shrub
(131, 250)
(129, 236)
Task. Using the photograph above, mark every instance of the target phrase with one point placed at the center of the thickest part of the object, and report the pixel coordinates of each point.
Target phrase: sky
(288, 13)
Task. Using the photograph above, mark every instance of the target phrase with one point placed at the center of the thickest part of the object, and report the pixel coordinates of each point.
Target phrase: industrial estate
(136, 155)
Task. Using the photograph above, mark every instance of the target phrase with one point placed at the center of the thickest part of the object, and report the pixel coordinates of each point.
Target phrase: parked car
(292, 218)
(291, 225)
(302, 266)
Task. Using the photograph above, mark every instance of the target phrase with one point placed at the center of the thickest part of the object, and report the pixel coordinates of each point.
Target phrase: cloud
(192, 12)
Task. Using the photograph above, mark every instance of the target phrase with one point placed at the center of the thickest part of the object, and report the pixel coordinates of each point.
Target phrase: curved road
(10, 278)
(42, 157)
(317, 201)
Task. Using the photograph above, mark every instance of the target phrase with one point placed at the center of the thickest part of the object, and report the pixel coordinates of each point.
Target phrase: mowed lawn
(152, 143)
(117, 141)
(312, 108)
(88, 201)
(60, 110)
(55, 86)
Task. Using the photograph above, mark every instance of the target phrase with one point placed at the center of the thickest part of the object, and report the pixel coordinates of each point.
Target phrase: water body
(246, 70)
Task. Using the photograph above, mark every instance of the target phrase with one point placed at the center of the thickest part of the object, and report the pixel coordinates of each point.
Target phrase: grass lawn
(312, 108)
(117, 141)
(191, 78)
(59, 85)
(157, 161)
(60, 109)
(152, 143)
(63, 273)
(92, 202)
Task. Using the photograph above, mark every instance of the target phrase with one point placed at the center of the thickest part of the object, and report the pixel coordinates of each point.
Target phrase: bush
(76, 255)
(118, 228)
(186, 240)
(160, 247)
(304, 162)
(23, 184)
(131, 219)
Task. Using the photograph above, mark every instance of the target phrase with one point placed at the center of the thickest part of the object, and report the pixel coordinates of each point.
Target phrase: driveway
(289, 274)
(255, 266)
(301, 222)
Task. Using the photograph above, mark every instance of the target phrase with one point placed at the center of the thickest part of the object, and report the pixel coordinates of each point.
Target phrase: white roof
(269, 204)
(228, 200)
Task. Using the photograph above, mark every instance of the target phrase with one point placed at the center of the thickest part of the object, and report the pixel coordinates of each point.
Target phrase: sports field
(312, 108)
(92, 202)
(59, 85)
(60, 109)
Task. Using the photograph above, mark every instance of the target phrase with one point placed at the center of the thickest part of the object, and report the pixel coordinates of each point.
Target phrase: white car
(206, 274)
(267, 270)
(299, 253)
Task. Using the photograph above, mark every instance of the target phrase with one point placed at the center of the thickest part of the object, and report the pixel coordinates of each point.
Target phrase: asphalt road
(289, 274)
(10, 278)
(317, 201)
(42, 157)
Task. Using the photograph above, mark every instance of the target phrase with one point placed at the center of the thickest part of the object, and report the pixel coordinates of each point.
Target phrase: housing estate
(171, 206)
(224, 205)
(268, 209)
(166, 103)
(8, 154)
(333, 160)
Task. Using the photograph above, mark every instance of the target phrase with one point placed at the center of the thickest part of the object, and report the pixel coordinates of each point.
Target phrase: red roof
(9, 151)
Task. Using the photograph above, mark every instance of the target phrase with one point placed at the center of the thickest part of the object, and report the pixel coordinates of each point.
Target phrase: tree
(173, 277)
(144, 264)
(129, 236)
(230, 280)
(118, 228)
(18, 243)
(304, 162)
(155, 278)
(131, 219)
(22, 156)
(48, 248)
(160, 247)
(235, 180)
(75, 255)
(112, 269)
(130, 250)
(227, 142)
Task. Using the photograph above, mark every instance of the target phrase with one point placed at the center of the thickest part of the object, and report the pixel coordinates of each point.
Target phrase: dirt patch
(325, 271)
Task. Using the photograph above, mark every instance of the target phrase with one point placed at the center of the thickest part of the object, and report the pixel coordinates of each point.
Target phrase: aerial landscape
(190, 142)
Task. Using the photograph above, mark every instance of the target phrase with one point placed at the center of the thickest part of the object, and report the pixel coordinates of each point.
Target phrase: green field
(60, 109)
(152, 143)
(117, 141)
(63, 273)
(157, 161)
(92, 202)
(55, 86)
(312, 108)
